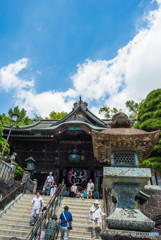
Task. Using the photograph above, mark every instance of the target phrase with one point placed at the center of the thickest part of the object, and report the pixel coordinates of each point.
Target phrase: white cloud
(45, 102)
(132, 74)
(9, 78)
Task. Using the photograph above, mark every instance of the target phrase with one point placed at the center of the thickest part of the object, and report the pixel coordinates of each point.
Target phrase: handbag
(91, 214)
(42, 235)
(69, 226)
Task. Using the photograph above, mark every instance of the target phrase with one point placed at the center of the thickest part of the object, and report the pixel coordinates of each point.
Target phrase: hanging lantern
(74, 157)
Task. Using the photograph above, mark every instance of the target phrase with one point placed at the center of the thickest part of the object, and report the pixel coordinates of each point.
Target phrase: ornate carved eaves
(139, 141)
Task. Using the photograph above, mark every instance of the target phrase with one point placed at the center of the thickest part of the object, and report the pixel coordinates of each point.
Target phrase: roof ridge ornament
(80, 103)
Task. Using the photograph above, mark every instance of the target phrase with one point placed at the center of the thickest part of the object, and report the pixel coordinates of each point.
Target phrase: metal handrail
(104, 208)
(12, 195)
(51, 207)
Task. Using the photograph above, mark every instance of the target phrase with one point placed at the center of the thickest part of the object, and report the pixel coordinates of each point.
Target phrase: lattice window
(124, 159)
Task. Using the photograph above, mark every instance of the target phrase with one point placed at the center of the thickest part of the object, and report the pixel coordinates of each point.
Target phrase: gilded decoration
(123, 139)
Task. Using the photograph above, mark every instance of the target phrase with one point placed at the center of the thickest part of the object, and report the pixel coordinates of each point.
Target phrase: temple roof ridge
(81, 113)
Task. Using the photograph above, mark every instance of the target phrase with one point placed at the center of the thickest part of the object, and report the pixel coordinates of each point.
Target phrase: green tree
(3, 140)
(105, 111)
(115, 111)
(22, 120)
(57, 115)
(37, 118)
(18, 172)
(108, 113)
(133, 108)
(149, 119)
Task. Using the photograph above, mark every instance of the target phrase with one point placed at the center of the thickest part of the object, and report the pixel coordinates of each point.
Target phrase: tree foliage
(131, 105)
(23, 118)
(133, 108)
(2, 139)
(107, 112)
(149, 119)
(18, 172)
(57, 115)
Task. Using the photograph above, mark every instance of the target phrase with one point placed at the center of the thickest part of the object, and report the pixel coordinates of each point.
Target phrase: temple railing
(31, 185)
(52, 208)
(7, 172)
(104, 209)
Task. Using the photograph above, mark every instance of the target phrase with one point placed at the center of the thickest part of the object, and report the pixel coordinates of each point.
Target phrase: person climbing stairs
(82, 225)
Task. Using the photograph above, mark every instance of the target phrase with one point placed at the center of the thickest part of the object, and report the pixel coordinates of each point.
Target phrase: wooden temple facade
(62, 146)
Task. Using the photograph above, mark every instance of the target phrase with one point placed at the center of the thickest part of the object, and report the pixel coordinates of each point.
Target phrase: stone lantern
(121, 148)
(31, 166)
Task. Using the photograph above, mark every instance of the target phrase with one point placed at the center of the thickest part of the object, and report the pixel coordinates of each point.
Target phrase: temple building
(62, 146)
(65, 147)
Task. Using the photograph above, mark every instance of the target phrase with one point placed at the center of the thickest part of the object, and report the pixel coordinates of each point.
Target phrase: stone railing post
(35, 186)
(25, 176)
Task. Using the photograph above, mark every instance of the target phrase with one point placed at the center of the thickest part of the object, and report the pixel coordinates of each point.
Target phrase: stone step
(80, 233)
(26, 211)
(15, 220)
(78, 205)
(26, 221)
(19, 215)
(24, 227)
(5, 237)
(74, 200)
(76, 211)
(18, 210)
(75, 207)
(32, 195)
(78, 238)
(80, 199)
(11, 232)
(25, 204)
(81, 227)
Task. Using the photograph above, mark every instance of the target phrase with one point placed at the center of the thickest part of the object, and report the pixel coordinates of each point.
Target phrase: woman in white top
(96, 217)
(73, 190)
(49, 181)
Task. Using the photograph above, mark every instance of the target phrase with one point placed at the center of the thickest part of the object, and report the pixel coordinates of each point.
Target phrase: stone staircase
(82, 225)
(15, 223)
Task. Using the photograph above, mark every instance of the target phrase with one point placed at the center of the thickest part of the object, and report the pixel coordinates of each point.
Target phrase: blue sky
(60, 40)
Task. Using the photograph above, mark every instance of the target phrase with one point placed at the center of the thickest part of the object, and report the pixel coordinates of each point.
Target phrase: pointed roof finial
(80, 99)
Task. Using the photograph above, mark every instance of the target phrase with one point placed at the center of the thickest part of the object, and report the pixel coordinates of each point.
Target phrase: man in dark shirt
(65, 217)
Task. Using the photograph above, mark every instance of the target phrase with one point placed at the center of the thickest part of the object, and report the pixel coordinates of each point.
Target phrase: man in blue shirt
(65, 217)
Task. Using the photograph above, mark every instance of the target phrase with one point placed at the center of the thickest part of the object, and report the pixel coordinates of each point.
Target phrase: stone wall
(152, 207)
(5, 188)
(110, 202)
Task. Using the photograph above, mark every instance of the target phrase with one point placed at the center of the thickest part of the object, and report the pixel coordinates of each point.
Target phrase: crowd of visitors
(82, 193)
(50, 187)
